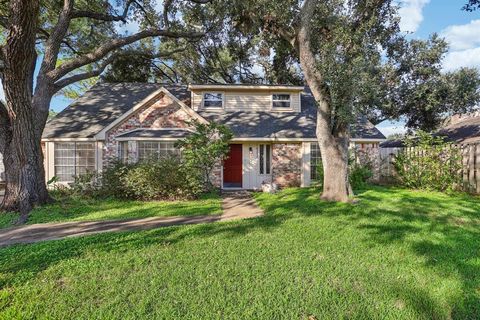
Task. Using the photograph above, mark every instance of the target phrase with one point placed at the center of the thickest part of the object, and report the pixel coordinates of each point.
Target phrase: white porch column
(49, 160)
(305, 181)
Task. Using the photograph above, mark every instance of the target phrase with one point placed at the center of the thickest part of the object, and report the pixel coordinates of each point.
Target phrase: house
(273, 126)
(458, 129)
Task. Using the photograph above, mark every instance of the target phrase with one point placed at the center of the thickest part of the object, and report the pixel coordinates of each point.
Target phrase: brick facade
(287, 164)
(163, 113)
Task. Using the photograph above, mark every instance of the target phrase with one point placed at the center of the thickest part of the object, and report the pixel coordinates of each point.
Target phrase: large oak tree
(338, 46)
(71, 41)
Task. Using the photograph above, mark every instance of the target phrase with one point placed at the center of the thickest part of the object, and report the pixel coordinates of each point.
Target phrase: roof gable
(102, 105)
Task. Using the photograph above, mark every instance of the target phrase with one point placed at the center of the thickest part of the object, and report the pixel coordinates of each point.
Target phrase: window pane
(211, 99)
(281, 104)
(262, 159)
(315, 160)
(212, 103)
(213, 96)
(281, 97)
(156, 150)
(123, 151)
(267, 159)
(72, 159)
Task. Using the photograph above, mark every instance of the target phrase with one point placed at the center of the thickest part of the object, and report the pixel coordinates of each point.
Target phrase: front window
(213, 100)
(155, 150)
(264, 158)
(123, 151)
(73, 159)
(281, 101)
(315, 160)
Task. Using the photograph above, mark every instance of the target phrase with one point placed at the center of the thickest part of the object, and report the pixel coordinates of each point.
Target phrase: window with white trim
(148, 150)
(73, 159)
(265, 159)
(315, 160)
(281, 101)
(123, 151)
(213, 100)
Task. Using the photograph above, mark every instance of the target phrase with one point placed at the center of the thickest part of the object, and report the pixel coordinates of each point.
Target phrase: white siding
(254, 100)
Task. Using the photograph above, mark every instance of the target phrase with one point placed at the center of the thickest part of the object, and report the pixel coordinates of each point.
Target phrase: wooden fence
(470, 164)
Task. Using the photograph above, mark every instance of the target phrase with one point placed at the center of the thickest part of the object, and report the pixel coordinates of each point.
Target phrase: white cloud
(464, 41)
(462, 58)
(127, 28)
(391, 127)
(462, 37)
(411, 15)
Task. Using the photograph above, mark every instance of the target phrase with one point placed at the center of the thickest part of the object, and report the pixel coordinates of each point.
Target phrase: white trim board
(242, 87)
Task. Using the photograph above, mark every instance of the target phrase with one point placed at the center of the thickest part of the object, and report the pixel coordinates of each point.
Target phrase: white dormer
(246, 97)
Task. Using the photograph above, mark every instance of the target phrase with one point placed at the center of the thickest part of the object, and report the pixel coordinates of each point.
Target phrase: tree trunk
(332, 137)
(22, 120)
(334, 151)
(25, 176)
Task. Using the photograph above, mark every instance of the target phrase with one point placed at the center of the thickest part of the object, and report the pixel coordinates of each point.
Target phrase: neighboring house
(273, 126)
(459, 129)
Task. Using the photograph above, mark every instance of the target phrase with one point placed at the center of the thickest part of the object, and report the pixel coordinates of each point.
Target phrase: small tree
(205, 148)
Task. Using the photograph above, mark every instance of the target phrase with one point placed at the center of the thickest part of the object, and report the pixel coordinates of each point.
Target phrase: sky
(460, 28)
(419, 18)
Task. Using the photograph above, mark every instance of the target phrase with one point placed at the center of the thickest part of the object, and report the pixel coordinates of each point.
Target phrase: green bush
(359, 175)
(112, 180)
(86, 185)
(164, 179)
(205, 148)
(429, 163)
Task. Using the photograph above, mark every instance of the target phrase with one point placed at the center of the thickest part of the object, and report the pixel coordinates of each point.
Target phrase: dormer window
(213, 100)
(281, 101)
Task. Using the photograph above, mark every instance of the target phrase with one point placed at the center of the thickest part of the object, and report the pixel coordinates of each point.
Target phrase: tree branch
(105, 63)
(102, 16)
(52, 47)
(114, 44)
(86, 75)
(46, 35)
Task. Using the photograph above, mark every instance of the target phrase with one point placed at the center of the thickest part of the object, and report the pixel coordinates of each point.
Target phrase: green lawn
(395, 254)
(77, 209)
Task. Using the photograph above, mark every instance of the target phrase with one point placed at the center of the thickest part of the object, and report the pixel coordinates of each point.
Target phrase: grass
(396, 254)
(78, 209)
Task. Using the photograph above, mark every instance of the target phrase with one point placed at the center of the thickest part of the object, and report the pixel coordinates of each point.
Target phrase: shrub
(164, 179)
(429, 162)
(86, 185)
(359, 175)
(205, 148)
(360, 168)
(112, 180)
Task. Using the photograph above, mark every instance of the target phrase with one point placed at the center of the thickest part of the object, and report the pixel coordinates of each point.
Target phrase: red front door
(232, 167)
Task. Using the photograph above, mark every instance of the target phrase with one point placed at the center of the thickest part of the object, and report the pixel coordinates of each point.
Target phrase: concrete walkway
(237, 205)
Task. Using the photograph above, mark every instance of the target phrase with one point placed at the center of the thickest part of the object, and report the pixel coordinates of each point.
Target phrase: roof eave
(243, 87)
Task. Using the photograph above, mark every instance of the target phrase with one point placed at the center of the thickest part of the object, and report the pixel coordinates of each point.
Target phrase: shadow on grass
(442, 229)
(74, 209)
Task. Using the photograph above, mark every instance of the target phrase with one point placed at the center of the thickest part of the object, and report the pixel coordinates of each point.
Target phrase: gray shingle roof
(105, 102)
(100, 106)
(259, 124)
(156, 133)
(464, 131)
